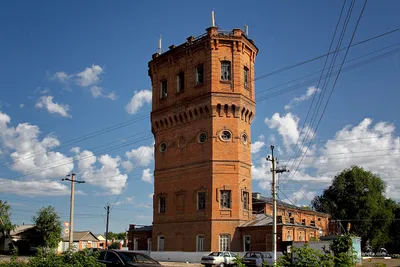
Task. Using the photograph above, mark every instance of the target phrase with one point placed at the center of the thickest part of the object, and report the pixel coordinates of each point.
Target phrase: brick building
(202, 108)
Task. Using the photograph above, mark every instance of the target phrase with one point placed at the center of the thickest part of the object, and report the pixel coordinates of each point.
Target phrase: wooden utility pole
(274, 171)
(71, 206)
(108, 217)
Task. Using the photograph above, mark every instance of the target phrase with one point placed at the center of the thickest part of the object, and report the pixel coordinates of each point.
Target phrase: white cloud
(89, 76)
(256, 147)
(127, 200)
(287, 127)
(138, 100)
(35, 188)
(127, 165)
(112, 96)
(375, 147)
(107, 176)
(150, 195)
(61, 76)
(310, 92)
(75, 150)
(143, 155)
(46, 102)
(147, 176)
(97, 92)
(30, 154)
(21, 105)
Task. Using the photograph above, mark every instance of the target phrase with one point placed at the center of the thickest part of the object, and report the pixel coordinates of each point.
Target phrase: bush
(45, 258)
(115, 245)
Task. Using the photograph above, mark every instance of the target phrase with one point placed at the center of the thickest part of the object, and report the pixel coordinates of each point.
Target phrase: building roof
(259, 220)
(147, 228)
(269, 200)
(266, 220)
(82, 236)
(21, 228)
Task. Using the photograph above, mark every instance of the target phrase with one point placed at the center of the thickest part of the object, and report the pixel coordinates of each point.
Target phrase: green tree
(48, 227)
(357, 197)
(5, 222)
(112, 235)
(115, 245)
(394, 246)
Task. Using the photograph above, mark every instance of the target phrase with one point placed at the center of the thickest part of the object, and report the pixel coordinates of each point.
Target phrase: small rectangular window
(180, 81)
(291, 220)
(200, 243)
(164, 92)
(246, 243)
(162, 204)
(224, 241)
(201, 200)
(225, 199)
(225, 70)
(200, 74)
(312, 223)
(303, 222)
(246, 77)
(245, 200)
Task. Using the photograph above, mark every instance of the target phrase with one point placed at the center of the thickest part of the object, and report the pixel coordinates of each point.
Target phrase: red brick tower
(203, 105)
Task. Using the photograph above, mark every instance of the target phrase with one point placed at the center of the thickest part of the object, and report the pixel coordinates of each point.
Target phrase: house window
(246, 77)
(162, 204)
(246, 243)
(135, 244)
(84, 244)
(164, 92)
(200, 243)
(225, 70)
(245, 200)
(225, 199)
(201, 200)
(224, 241)
(160, 243)
(149, 244)
(200, 74)
(180, 81)
(291, 220)
(303, 222)
(225, 135)
(312, 223)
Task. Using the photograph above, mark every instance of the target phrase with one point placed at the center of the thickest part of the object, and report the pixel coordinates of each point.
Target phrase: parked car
(255, 258)
(219, 259)
(114, 258)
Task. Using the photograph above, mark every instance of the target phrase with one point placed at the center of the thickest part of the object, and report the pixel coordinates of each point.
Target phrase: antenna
(246, 30)
(212, 19)
(159, 45)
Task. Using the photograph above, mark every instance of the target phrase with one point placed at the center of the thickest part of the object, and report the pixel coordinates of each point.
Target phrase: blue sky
(72, 68)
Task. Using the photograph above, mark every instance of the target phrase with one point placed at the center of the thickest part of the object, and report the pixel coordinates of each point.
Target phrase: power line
(322, 56)
(40, 169)
(334, 85)
(315, 79)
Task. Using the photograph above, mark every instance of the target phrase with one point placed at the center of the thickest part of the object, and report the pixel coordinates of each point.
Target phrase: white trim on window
(224, 242)
(200, 243)
(160, 243)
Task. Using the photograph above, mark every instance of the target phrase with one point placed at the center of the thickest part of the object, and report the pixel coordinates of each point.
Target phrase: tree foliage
(112, 235)
(48, 227)
(357, 197)
(115, 245)
(5, 222)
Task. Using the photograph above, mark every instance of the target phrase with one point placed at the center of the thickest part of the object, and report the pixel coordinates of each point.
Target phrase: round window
(163, 147)
(202, 138)
(226, 135)
(244, 138)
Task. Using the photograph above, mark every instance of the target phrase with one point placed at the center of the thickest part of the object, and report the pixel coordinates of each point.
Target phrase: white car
(219, 259)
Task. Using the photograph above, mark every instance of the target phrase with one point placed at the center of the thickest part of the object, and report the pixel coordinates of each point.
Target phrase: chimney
(246, 30)
(256, 195)
(212, 19)
(131, 227)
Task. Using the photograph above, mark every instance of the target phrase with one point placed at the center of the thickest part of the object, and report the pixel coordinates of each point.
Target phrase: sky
(75, 96)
